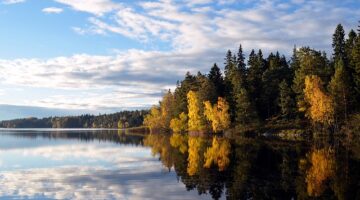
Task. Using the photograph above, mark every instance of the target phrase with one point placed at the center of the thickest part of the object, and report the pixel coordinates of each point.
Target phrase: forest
(123, 119)
(310, 89)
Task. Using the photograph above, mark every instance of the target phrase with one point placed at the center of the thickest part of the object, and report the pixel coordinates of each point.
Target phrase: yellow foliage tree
(218, 114)
(153, 119)
(322, 168)
(160, 116)
(166, 107)
(218, 154)
(179, 124)
(196, 120)
(321, 107)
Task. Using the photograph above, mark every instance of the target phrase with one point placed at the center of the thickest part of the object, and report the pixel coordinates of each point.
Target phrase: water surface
(107, 164)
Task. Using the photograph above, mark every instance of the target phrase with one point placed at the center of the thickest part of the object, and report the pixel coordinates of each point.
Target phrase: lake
(111, 164)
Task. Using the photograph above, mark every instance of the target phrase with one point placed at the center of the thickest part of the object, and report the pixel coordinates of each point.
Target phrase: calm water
(98, 164)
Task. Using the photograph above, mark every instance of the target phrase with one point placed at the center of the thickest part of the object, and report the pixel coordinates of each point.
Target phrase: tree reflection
(258, 168)
(321, 170)
(218, 153)
(195, 159)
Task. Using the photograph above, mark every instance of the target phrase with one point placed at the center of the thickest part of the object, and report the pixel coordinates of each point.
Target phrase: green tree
(339, 89)
(246, 113)
(241, 66)
(338, 44)
(217, 79)
(286, 102)
(256, 66)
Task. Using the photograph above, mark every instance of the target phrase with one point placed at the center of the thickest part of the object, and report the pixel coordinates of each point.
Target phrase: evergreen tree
(339, 89)
(286, 102)
(206, 89)
(338, 44)
(246, 113)
(189, 83)
(254, 76)
(217, 79)
(355, 63)
(241, 66)
(229, 64)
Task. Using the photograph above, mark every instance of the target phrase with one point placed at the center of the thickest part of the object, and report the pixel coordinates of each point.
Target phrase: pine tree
(217, 79)
(254, 76)
(286, 102)
(245, 111)
(229, 64)
(339, 89)
(339, 44)
(241, 66)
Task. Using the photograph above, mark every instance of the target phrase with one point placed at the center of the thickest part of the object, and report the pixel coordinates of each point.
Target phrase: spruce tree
(338, 44)
(286, 102)
(245, 111)
(241, 66)
(217, 79)
(339, 89)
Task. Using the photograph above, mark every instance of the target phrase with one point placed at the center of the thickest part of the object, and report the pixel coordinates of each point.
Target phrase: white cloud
(12, 1)
(198, 35)
(97, 7)
(52, 10)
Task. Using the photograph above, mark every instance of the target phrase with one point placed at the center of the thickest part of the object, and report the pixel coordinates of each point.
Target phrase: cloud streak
(52, 10)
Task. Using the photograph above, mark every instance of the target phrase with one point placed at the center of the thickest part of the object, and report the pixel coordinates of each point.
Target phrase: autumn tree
(311, 62)
(167, 105)
(218, 114)
(153, 119)
(320, 105)
(196, 120)
(179, 124)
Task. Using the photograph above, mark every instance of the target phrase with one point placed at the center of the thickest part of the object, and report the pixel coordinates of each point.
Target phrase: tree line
(123, 119)
(310, 87)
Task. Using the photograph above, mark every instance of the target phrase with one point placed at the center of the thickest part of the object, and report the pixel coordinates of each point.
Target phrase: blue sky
(108, 55)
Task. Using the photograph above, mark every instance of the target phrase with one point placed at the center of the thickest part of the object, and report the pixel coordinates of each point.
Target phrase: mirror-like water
(98, 164)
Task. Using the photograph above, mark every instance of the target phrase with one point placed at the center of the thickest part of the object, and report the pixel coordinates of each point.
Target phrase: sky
(102, 56)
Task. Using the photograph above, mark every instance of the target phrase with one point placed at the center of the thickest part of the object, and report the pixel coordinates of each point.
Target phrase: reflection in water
(218, 153)
(121, 165)
(321, 170)
(262, 168)
(83, 165)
